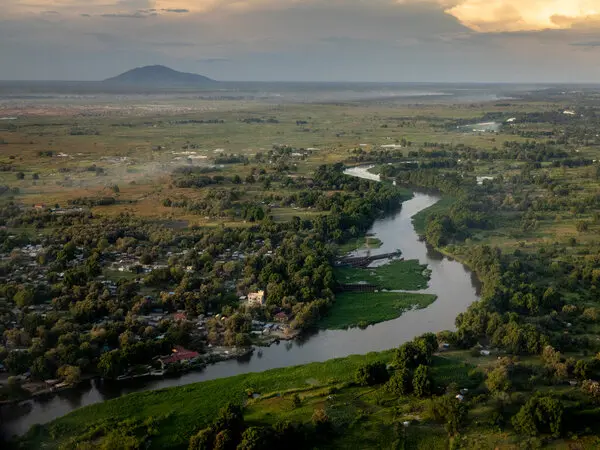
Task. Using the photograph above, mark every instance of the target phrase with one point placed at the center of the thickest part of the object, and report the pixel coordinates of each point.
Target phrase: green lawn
(396, 275)
(353, 309)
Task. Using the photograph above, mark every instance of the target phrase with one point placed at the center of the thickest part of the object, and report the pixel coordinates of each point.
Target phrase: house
(181, 355)
(256, 299)
(485, 353)
(39, 206)
(460, 397)
(180, 316)
(281, 317)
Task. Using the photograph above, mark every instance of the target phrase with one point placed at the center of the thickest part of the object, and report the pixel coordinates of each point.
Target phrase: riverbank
(180, 412)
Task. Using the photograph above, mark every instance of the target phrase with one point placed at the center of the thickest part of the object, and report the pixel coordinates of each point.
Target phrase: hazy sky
(317, 40)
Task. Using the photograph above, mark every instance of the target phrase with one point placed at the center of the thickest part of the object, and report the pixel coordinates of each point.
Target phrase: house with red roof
(181, 355)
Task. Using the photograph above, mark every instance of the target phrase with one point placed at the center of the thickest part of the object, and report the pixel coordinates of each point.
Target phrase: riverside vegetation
(521, 370)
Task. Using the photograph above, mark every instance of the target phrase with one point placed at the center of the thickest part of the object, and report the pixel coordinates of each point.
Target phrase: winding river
(454, 284)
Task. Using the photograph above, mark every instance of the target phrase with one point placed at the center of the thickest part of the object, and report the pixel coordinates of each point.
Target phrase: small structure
(460, 397)
(180, 316)
(485, 353)
(256, 299)
(281, 317)
(181, 355)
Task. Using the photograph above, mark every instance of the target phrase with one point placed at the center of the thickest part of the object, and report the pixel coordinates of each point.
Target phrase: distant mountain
(158, 76)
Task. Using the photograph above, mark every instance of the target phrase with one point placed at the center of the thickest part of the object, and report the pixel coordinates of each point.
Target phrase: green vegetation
(395, 275)
(342, 397)
(352, 309)
(441, 207)
(367, 242)
(181, 411)
(521, 208)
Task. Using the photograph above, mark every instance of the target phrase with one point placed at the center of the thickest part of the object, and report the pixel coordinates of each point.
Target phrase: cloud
(590, 44)
(213, 60)
(135, 15)
(524, 15)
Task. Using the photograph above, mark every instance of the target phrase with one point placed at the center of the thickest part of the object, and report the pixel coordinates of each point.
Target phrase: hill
(158, 75)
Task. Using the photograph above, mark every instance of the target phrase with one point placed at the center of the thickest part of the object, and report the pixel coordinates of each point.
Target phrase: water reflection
(455, 286)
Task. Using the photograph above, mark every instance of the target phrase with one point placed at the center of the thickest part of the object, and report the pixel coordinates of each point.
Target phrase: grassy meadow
(180, 412)
(395, 275)
(352, 309)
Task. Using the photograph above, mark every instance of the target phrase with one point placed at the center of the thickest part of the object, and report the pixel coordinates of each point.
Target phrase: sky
(305, 40)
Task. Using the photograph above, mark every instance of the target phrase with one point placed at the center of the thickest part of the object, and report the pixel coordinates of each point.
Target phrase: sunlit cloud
(524, 15)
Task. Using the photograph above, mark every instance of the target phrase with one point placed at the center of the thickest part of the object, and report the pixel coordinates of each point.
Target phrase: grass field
(186, 409)
(180, 412)
(353, 309)
(396, 275)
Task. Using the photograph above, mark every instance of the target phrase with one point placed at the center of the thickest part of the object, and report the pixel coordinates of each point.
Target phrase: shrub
(372, 374)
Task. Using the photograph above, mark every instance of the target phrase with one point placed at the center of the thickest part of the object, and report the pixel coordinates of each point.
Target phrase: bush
(372, 374)
(400, 383)
(320, 421)
(422, 382)
(539, 415)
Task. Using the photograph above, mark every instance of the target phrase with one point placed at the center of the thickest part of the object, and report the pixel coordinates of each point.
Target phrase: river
(454, 284)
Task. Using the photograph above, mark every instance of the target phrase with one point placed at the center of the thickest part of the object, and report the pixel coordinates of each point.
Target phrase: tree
(592, 388)
(449, 410)
(70, 374)
(257, 438)
(20, 176)
(111, 364)
(427, 344)
(400, 383)
(230, 418)
(42, 368)
(203, 440)
(18, 362)
(296, 402)
(422, 382)
(406, 355)
(126, 338)
(498, 381)
(539, 415)
(371, 374)
(224, 441)
(24, 297)
(320, 421)
(582, 369)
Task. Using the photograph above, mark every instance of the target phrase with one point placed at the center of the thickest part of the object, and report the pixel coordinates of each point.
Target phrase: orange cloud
(524, 15)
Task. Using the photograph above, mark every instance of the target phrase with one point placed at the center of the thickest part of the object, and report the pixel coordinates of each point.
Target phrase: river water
(455, 285)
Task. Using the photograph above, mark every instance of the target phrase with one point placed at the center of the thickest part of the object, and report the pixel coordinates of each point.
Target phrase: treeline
(90, 202)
